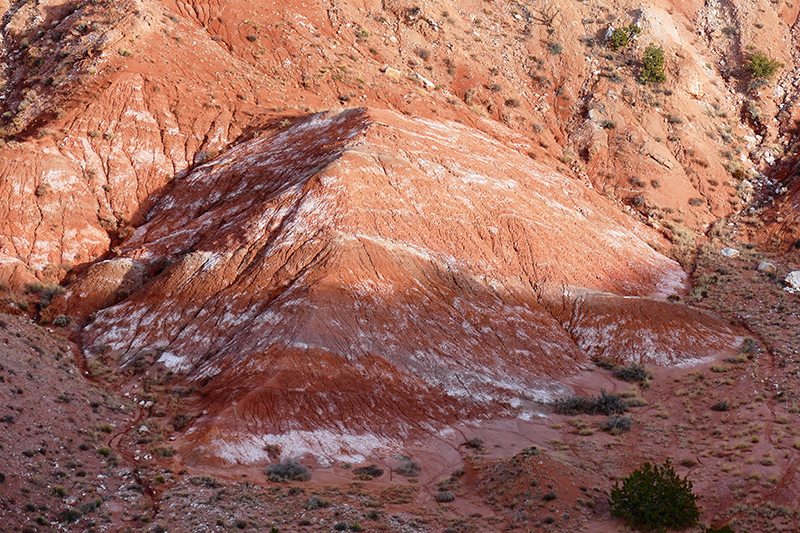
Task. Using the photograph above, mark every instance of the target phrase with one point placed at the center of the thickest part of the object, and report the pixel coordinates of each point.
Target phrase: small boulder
(392, 73)
(793, 282)
(422, 80)
(765, 267)
(144, 429)
(729, 252)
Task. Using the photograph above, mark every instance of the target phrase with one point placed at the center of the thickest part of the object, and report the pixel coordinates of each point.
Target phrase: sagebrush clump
(605, 404)
(633, 373)
(286, 471)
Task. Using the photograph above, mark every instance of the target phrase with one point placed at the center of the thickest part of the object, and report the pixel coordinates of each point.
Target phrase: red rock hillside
(486, 215)
(377, 276)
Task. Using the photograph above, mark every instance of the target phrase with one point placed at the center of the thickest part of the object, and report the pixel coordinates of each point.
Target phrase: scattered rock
(422, 80)
(793, 282)
(392, 73)
(144, 429)
(729, 252)
(765, 267)
(660, 154)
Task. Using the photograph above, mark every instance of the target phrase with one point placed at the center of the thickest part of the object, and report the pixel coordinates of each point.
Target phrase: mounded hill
(368, 273)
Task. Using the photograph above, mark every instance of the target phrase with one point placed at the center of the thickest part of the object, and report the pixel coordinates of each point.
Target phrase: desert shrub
(550, 496)
(633, 373)
(286, 471)
(69, 516)
(720, 529)
(721, 406)
(761, 66)
(316, 502)
(46, 291)
(749, 345)
(475, 443)
(62, 321)
(605, 404)
(555, 48)
(407, 467)
(205, 481)
(445, 496)
(365, 473)
(653, 65)
(605, 362)
(164, 451)
(617, 424)
(621, 37)
(91, 506)
(655, 497)
(181, 420)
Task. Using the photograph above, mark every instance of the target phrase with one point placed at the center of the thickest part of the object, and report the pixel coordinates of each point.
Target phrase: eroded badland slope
(392, 234)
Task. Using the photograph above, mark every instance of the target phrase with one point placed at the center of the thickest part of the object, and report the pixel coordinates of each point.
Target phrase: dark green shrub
(286, 471)
(653, 65)
(605, 404)
(617, 424)
(721, 406)
(475, 443)
(365, 473)
(621, 37)
(69, 516)
(655, 497)
(633, 373)
(761, 66)
(720, 529)
(62, 321)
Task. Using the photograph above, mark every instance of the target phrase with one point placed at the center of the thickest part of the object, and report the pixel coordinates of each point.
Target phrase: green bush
(621, 37)
(653, 65)
(655, 497)
(761, 66)
(633, 373)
